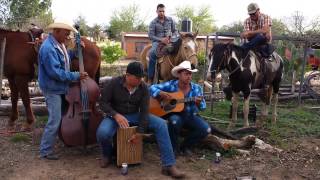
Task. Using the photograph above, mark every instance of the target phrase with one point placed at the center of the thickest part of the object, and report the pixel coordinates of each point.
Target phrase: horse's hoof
(245, 125)
(11, 125)
(27, 127)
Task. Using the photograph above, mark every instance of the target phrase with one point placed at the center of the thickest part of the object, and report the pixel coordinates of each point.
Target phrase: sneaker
(51, 157)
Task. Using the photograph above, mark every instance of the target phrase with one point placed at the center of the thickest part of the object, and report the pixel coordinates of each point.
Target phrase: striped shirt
(158, 30)
(172, 86)
(250, 25)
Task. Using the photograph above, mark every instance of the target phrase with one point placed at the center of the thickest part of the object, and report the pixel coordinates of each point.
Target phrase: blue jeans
(108, 128)
(198, 127)
(49, 135)
(152, 60)
(256, 41)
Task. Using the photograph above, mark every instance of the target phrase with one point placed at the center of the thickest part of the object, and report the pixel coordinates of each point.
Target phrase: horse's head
(218, 57)
(188, 49)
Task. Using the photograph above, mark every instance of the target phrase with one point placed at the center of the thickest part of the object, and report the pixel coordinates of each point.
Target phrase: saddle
(168, 49)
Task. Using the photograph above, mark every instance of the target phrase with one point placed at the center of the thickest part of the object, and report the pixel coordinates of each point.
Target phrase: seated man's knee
(175, 120)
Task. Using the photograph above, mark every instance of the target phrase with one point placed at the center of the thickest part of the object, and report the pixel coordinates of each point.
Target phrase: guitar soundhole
(171, 105)
(173, 102)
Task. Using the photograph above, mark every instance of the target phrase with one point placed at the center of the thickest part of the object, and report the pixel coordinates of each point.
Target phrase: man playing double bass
(189, 117)
(125, 101)
(54, 78)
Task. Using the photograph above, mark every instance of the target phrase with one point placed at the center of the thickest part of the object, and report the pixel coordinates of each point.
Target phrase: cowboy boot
(173, 172)
(104, 162)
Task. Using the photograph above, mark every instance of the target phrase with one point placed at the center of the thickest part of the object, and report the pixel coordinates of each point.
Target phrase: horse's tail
(144, 56)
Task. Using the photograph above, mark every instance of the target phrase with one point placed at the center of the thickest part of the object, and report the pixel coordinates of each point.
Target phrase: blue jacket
(52, 76)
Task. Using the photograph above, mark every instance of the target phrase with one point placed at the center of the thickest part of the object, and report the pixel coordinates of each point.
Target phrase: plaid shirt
(172, 86)
(158, 30)
(250, 25)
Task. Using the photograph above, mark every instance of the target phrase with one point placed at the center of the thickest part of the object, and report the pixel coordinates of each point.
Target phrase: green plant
(19, 137)
(111, 51)
(201, 55)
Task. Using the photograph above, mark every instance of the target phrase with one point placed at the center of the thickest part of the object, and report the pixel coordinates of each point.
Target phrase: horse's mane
(222, 47)
(3, 30)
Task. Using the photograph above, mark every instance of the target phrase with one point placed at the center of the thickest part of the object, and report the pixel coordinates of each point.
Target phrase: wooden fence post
(3, 48)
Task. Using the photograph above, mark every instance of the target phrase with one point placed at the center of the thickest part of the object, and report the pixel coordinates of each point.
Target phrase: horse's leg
(235, 97)
(22, 84)
(263, 117)
(274, 108)
(246, 112)
(14, 102)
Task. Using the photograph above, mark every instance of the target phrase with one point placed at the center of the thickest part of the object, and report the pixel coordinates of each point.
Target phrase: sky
(224, 11)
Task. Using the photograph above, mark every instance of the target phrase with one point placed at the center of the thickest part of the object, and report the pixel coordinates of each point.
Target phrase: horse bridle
(224, 59)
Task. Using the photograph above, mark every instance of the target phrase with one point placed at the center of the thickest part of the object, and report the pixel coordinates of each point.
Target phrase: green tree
(125, 20)
(278, 27)
(235, 27)
(84, 28)
(96, 31)
(20, 11)
(202, 19)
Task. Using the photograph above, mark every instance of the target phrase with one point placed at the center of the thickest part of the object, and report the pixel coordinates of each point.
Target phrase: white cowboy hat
(185, 65)
(62, 25)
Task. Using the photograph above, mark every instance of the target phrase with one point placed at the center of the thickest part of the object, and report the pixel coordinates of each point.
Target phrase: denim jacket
(52, 76)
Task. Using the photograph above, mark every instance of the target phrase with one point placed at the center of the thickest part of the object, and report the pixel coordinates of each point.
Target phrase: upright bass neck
(79, 49)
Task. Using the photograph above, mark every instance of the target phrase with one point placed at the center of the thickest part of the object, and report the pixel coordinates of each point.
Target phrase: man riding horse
(160, 31)
(257, 30)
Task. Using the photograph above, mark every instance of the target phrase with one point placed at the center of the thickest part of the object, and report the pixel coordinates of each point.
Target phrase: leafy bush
(111, 51)
(201, 55)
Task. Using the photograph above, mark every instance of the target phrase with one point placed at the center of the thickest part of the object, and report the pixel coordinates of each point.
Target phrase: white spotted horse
(247, 71)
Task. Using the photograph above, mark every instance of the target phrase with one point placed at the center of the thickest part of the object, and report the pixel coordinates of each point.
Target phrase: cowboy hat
(62, 25)
(185, 65)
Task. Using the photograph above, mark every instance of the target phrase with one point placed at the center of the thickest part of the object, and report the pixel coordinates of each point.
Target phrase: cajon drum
(128, 152)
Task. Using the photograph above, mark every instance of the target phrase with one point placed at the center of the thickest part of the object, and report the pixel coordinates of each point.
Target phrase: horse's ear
(181, 34)
(195, 34)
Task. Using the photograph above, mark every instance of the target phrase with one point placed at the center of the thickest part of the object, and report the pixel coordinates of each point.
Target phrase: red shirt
(314, 61)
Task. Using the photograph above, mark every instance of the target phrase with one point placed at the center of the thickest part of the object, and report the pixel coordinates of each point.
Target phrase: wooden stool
(129, 152)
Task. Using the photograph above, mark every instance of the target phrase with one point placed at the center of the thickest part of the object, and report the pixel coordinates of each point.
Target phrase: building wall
(133, 43)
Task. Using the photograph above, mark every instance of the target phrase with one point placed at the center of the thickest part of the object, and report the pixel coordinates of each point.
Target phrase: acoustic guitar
(160, 107)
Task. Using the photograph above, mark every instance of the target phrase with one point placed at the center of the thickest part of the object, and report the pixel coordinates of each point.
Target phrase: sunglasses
(252, 14)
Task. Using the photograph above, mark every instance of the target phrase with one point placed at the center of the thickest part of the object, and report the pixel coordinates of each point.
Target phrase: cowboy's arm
(105, 99)
(152, 32)
(50, 61)
(199, 93)
(173, 28)
(156, 89)
(266, 29)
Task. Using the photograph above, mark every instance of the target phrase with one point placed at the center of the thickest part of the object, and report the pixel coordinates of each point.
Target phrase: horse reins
(239, 65)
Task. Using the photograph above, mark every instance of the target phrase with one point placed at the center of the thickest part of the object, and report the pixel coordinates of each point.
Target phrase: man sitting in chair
(125, 101)
(189, 117)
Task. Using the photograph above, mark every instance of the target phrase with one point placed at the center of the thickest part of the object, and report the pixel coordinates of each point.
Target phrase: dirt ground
(20, 160)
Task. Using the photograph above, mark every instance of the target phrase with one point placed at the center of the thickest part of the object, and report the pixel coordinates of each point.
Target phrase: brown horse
(187, 50)
(19, 67)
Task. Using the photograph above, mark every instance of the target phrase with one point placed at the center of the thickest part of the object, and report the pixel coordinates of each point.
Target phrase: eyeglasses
(252, 14)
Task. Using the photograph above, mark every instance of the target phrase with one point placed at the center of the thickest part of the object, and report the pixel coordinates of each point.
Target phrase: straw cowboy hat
(62, 25)
(185, 65)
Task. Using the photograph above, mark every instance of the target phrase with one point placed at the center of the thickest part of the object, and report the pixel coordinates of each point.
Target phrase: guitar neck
(192, 99)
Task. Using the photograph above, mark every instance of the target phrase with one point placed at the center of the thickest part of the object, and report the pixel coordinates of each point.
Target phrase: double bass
(80, 123)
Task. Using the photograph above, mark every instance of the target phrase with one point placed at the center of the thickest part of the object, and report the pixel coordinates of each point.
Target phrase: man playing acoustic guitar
(188, 117)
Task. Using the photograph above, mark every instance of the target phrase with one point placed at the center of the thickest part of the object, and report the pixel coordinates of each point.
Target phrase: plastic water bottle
(218, 158)
(124, 169)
